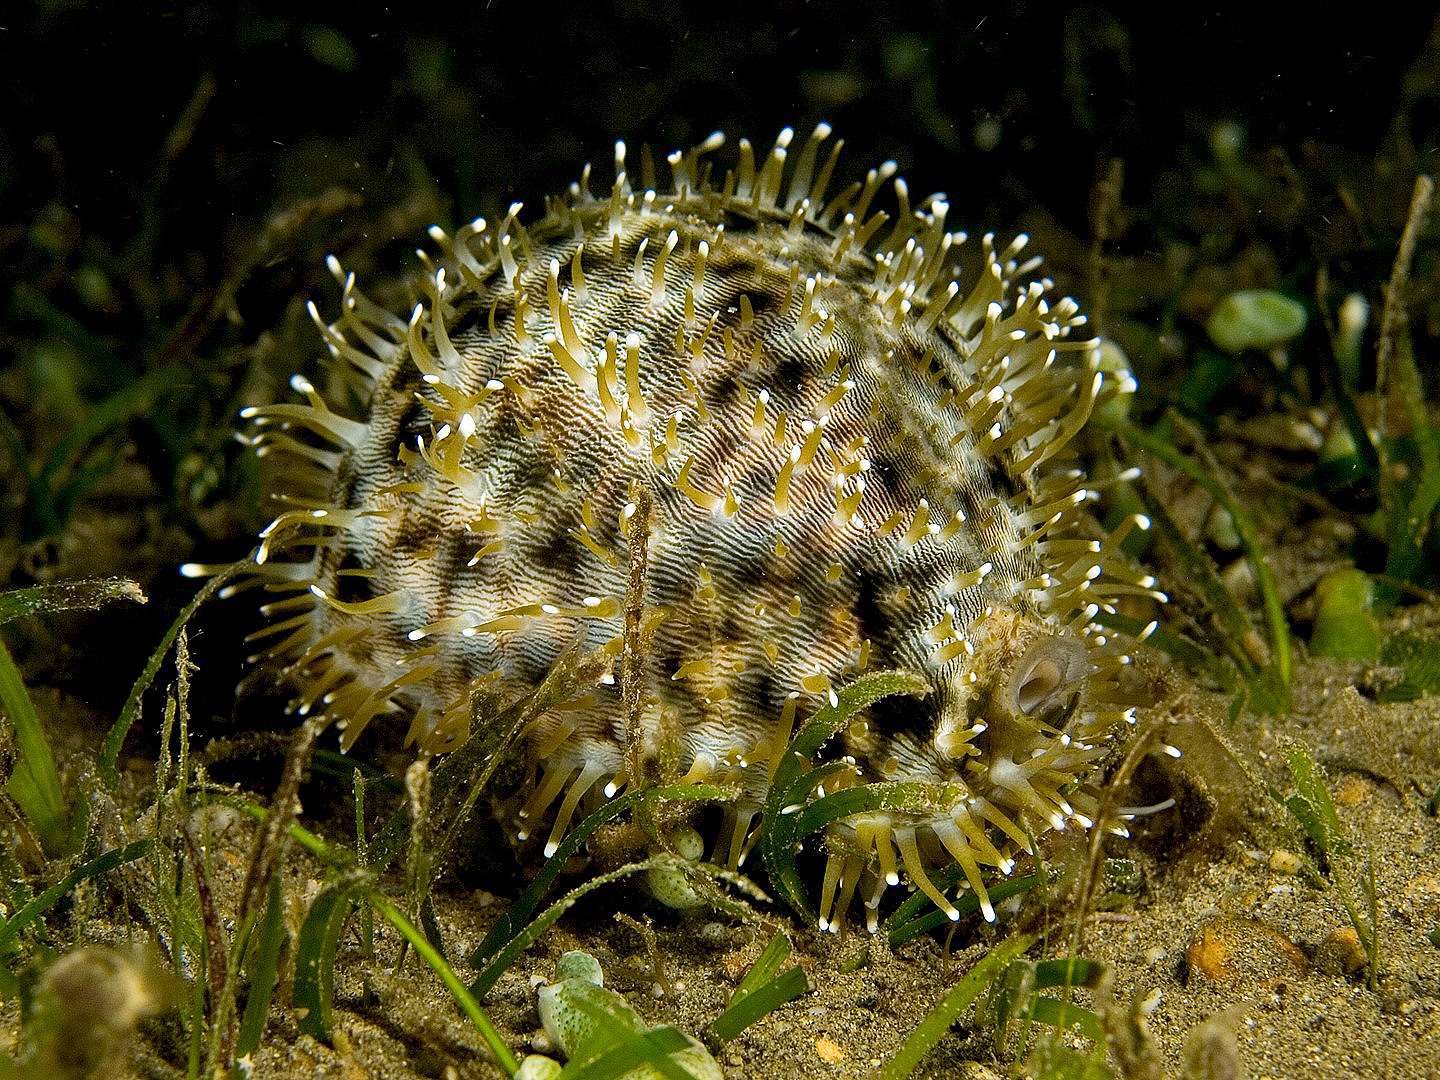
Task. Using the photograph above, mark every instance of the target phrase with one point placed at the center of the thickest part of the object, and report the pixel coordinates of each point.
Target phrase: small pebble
(538, 1067)
(1285, 862)
(1231, 950)
(1398, 1003)
(1239, 578)
(1220, 529)
(829, 1050)
(715, 934)
(1352, 790)
(1341, 953)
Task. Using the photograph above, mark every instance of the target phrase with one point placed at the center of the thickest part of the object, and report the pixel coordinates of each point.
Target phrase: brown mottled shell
(853, 463)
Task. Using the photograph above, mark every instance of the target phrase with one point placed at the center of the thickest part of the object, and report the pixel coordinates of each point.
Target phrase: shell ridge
(854, 461)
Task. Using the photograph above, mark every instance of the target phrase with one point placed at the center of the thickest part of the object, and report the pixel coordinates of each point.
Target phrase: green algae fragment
(668, 884)
(1419, 658)
(1255, 319)
(588, 1022)
(1345, 624)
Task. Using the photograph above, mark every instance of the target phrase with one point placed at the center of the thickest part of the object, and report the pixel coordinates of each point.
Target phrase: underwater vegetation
(207, 887)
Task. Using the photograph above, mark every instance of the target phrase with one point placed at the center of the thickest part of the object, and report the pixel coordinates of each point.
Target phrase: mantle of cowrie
(855, 461)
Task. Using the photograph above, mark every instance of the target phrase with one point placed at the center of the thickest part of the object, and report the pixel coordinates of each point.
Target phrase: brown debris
(1235, 950)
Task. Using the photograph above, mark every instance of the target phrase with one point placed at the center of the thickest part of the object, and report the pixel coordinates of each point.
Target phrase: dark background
(172, 177)
(484, 103)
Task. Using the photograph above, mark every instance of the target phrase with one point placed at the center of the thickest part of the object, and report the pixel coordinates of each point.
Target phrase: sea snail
(854, 462)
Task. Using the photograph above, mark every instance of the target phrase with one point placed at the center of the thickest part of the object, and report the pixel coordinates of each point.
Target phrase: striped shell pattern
(849, 461)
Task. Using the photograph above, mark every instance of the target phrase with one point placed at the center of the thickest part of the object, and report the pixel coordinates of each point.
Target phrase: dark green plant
(952, 1006)
(917, 914)
(1016, 998)
(1311, 807)
(1381, 470)
(34, 783)
(13, 927)
(630, 1050)
(1262, 671)
(763, 990)
(1418, 658)
(792, 813)
(1393, 451)
(604, 1037)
